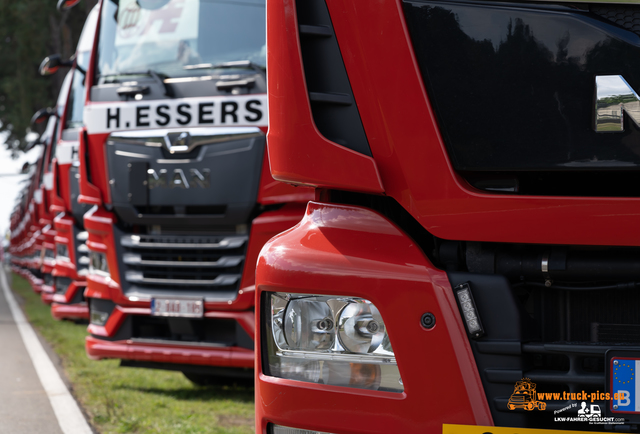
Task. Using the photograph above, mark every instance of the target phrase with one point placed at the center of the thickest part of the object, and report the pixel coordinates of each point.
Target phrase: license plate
(191, 308)
(625, 387)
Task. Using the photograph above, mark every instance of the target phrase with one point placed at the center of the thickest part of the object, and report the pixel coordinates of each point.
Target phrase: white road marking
(70, 418)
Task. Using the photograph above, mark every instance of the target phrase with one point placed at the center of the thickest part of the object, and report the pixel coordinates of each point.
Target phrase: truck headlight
(62, 251)
(98, 263)
(334, 340)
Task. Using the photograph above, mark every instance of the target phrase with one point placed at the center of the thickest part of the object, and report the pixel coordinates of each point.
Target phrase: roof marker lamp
(333, 340)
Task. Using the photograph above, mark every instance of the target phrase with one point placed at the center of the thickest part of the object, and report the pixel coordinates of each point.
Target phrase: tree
(29, 31)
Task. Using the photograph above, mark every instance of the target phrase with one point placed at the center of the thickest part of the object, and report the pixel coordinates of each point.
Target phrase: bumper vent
(160, 265)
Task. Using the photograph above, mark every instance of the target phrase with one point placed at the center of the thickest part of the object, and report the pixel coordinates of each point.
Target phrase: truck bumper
(168, 353)
(78, 311)
(114, 341)
(353, 251)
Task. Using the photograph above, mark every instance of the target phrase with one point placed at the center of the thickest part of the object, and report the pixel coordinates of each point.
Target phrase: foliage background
(29, 31)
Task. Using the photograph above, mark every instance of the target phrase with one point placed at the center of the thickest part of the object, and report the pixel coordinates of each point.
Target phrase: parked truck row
(422, 219)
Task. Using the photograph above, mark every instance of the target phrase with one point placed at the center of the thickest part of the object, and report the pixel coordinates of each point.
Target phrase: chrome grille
(160, 265)
(82, 252)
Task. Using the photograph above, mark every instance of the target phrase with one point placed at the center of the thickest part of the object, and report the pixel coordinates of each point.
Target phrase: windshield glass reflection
(168, 36)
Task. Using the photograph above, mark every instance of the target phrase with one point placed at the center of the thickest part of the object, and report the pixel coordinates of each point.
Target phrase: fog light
(279, 429)
(469, 311)
(304, 343)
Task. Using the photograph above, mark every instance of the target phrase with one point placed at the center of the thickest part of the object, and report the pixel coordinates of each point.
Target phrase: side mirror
(52, 63)
(64, 5)
(42, 115)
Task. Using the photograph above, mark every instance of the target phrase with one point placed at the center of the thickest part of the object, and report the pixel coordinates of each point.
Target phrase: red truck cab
(474, 221)
(72, 258)
(174, 164)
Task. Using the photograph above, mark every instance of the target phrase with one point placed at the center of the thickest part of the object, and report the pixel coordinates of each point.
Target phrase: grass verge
(121, 400)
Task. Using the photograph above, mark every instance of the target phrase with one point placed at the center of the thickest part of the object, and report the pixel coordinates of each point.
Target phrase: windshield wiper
(128, 90)
(239, 64)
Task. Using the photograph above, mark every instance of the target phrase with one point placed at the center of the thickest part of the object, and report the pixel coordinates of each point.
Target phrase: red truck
(475, 219)
(173, 163)
(72, 260)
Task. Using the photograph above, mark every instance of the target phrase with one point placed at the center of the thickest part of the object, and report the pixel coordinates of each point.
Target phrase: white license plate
(177, 307)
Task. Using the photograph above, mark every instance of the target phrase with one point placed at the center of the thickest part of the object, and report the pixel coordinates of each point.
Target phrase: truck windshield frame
(161, 36)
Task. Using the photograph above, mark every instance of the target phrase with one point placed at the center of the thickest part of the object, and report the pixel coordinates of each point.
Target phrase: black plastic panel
(513, 85)
(228, 198)
(77, 209)
(332, 103)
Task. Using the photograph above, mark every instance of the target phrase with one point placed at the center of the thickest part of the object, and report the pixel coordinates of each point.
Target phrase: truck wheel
(529, 406)
(216, 380)
(542, 405)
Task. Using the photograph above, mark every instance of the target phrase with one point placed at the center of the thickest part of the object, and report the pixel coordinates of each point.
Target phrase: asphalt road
(24, 405)
(33, 395)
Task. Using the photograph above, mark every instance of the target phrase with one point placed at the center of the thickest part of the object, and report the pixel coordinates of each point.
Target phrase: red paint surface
(353, 251)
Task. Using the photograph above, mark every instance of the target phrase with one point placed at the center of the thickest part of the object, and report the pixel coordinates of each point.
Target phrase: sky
(10, 181)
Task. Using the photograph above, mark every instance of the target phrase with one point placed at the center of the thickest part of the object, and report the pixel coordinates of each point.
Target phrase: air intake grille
(209, 266)
(332, 104)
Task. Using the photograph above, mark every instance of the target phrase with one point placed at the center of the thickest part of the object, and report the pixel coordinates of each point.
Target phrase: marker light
(469, 311)
(334, 340)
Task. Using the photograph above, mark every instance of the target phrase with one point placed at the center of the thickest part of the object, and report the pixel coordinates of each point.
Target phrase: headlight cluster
(98, 263)
(335, 340)
(62, 251)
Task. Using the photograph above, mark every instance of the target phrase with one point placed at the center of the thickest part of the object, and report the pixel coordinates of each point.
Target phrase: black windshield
(167, 35)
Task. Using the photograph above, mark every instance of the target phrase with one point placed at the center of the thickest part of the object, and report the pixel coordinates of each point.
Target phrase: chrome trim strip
(225, 243)
(189, 138)
(225, 261)
(221, 280)
(174, 343)
(132, 154)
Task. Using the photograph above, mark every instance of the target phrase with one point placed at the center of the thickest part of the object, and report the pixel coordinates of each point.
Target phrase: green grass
(121, 400)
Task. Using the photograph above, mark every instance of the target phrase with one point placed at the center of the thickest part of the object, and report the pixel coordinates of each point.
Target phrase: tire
(529, 406)
(542, 405)
(216, 380)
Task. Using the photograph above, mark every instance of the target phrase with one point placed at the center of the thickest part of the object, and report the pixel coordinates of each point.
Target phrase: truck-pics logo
(524, 396)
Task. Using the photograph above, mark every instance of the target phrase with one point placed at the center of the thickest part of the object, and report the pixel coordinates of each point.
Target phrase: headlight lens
(98, 263)
(62, 251)
(335, 340)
